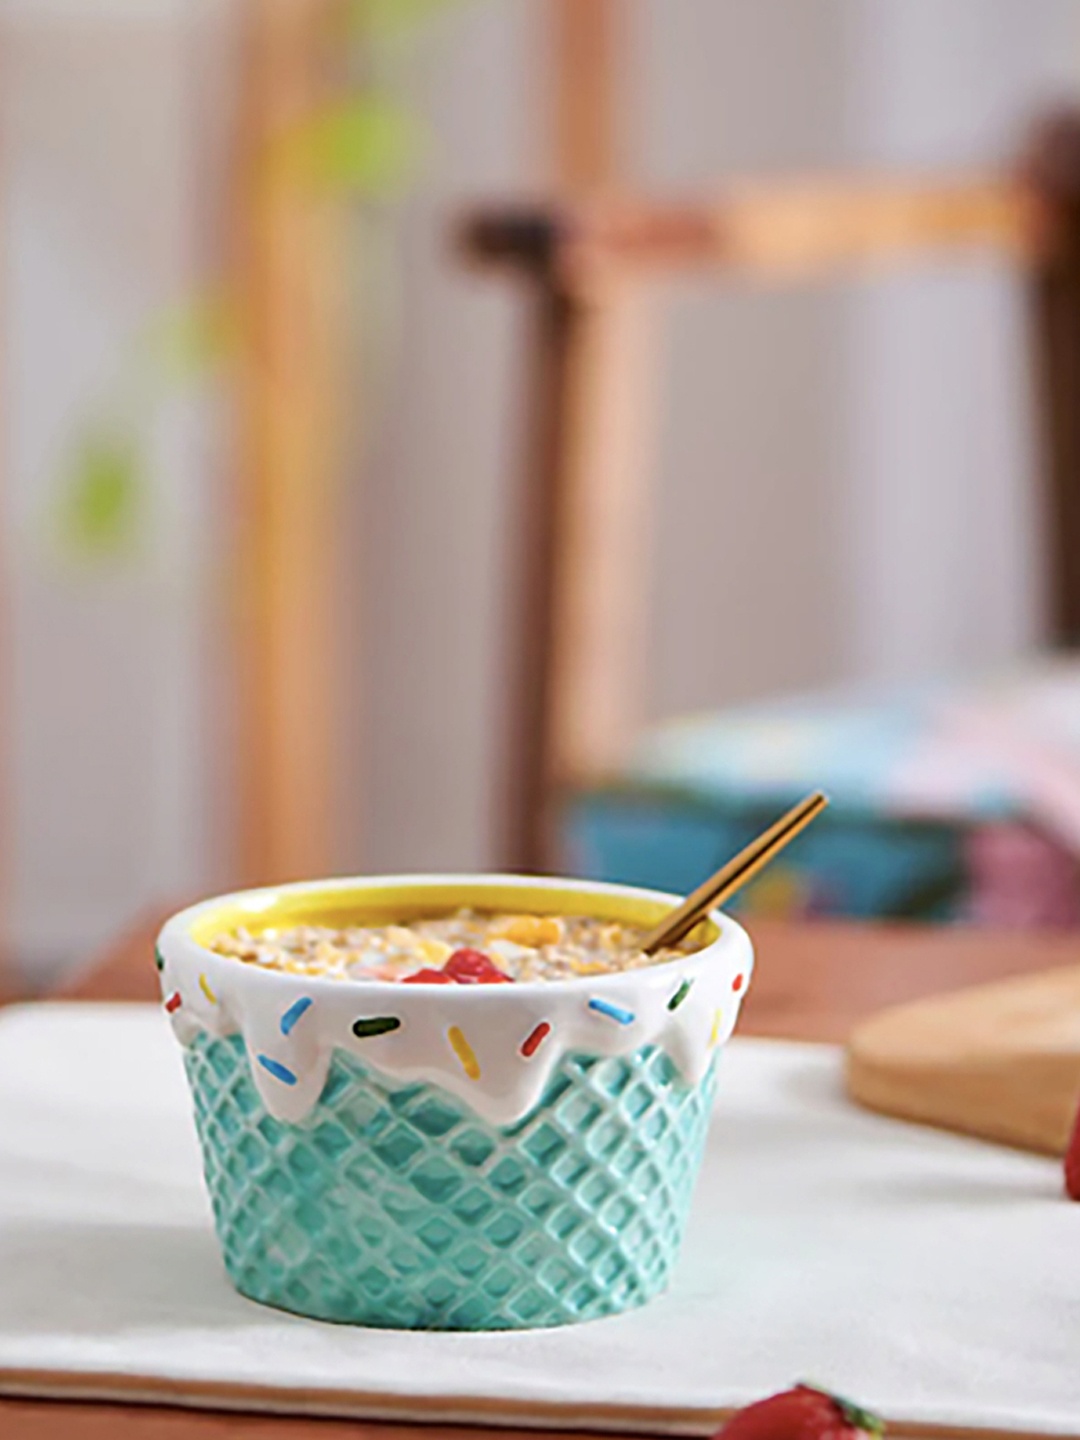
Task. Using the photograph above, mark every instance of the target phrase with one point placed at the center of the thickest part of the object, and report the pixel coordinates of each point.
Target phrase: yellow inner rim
(386, 904)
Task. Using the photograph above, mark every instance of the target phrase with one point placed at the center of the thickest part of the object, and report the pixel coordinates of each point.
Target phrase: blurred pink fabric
(1021, 879)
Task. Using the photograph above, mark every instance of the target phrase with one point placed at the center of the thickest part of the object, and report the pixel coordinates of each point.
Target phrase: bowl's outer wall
(394, 1204)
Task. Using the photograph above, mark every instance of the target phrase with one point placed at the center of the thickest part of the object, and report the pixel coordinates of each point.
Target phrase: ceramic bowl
(449, 1156)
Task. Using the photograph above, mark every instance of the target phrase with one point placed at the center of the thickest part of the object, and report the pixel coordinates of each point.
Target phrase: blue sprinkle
(613, 1012)
(279, 1071)
(293, 1014)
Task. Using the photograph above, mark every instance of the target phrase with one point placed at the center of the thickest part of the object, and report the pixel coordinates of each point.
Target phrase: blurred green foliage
(186, 340)
(103, 497)
(365, 147)
(390, 19)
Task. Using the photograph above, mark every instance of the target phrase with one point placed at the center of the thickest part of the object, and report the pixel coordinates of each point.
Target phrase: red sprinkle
(536, 1039)
(473, 967)
(737, 983)
(428, 977)
(173, 1002)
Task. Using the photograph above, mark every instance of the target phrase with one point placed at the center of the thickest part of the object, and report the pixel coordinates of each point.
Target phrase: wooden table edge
(472, 1418)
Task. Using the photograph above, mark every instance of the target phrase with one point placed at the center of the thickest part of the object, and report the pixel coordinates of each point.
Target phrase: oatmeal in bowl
(450, 1102)
(466, 946)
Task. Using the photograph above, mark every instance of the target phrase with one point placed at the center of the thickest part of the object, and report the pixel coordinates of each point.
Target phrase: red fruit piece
(428, 977)
(802, 1414)
(473, 967)
(1072, 1163)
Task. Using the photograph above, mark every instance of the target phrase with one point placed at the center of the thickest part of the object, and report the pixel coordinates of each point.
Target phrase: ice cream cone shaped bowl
(460, 1157)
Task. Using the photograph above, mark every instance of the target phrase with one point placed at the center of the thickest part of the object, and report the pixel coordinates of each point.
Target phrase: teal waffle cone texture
(395, 1205)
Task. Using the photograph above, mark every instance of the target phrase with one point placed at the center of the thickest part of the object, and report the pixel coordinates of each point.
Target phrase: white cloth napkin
(931, 1277)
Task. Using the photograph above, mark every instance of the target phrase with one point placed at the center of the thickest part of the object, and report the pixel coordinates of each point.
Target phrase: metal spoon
(734, 875)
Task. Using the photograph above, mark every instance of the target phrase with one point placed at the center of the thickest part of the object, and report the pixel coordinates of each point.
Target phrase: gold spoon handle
(734, 875)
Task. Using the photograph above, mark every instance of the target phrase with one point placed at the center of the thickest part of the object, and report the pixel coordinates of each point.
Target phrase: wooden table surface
(812, 982)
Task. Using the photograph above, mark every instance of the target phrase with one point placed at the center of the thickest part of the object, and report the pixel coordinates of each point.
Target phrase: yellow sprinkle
(550, 930)
(588, 967)
(715, 1029)
(531, 931)
(204, 986)
(435, 952)
(518, 929)
(464, 1052)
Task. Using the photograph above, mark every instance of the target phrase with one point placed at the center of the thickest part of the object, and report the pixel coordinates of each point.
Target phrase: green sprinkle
(680, 995)
(159, 960)
(378, 1025)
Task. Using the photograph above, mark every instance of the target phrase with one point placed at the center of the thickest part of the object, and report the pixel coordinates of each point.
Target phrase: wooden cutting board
(998, 1061)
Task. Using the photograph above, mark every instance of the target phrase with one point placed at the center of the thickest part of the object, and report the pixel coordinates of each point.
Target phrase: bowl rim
(175, 941)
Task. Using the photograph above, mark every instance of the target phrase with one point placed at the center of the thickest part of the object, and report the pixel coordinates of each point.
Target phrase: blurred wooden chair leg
(579, 624)
(1053, 168)
(589, 40)
(288, 258)
(580, 563)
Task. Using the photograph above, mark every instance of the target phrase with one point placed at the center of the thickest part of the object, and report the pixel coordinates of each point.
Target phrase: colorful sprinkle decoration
(294, 1013)
(464, 1052)
(535, 1039)
(204, 986)
(377, 1025)
(159, 960)
(613, 1012)
(275, 1068)
(680, 995)
(738, 983)
(173, 1003)
(715, 1029)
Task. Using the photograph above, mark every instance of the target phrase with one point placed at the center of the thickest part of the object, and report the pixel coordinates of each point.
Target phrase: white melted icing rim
(493, 1046)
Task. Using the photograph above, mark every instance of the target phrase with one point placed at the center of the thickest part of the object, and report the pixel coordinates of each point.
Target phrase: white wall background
(940, 451)
(868, 446)
(106, 187)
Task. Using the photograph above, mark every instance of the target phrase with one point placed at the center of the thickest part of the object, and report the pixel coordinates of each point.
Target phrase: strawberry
(473, 967)
(1072, 1163)
(804, 1413)
(428, 977)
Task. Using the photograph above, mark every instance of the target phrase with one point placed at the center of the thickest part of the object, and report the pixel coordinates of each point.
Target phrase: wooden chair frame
(289, 259)
(587, 265)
